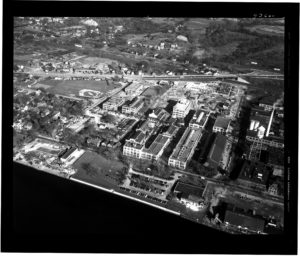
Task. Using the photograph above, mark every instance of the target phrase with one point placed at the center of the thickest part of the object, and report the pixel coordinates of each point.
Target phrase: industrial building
(172, 131)
(185, 148)
(156, 148)
(134, 107)
(68, 154)
(181, 109)
(113, 103)
(133, 146)
(221, 124)
(189, 194)
(216, 151)
(134, 88)
(255, 174)
(260, 129)
(159, 115)
(199, 119)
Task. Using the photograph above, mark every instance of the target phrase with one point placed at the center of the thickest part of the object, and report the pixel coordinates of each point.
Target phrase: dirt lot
(67, 87)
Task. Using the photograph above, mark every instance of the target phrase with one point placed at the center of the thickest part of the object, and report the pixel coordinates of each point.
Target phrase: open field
(102, 167)
(68, 87)
(169, 21)
(197, 25)
(95, 60)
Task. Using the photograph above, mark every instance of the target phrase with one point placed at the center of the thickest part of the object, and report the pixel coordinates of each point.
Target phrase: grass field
(103, 167)
(68, 87)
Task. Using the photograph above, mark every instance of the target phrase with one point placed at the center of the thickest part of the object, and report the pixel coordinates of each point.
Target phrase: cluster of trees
(141, 25)
(197, 168)
(216, 34)
(255, 45)
(89, 169)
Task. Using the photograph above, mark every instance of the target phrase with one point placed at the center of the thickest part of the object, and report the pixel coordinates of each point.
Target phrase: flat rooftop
(200, 117)
(182, 105)
(217, 148)
(157, 145)
(186, 144)
(222, 122)
(187, 190)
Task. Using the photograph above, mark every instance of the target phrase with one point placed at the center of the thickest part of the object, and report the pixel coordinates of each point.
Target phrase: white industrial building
(181, 109)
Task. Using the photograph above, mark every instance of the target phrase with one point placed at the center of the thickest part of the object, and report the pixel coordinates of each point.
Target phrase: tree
(89, 169)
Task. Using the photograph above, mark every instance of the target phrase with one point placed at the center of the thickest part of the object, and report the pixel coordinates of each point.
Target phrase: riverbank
(59, 174)
(42, 168)
(126, 196)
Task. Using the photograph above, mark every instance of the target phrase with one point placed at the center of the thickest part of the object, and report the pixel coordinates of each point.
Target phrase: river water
(54, 214)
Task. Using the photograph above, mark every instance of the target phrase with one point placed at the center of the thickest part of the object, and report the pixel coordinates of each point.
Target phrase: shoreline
(45, 169)
(56, 173)
(126, 196)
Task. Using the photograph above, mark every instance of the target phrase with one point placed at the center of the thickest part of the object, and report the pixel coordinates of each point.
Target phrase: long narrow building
(185, 148)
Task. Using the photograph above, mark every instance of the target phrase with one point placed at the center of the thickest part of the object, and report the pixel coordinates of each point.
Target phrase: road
(160, 77)
(237, 186)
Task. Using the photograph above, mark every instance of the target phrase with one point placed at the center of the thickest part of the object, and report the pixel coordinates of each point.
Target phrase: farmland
(67, 87)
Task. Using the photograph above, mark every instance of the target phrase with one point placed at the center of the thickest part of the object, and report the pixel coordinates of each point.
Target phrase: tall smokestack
(270, 122)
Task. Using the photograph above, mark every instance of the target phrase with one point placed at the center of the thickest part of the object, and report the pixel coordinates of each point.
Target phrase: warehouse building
(255, 174)
(216, 151)
(185, 148)
(199, 119)
(221, 124)
(156, 148)
(134, 107)
(113, 104)
(189, 195)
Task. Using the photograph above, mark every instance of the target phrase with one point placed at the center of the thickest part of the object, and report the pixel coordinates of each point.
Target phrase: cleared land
(95, 60)
(68, 87)
(102, 170)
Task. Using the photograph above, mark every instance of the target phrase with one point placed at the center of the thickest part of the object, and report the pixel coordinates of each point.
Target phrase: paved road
(161, 77)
